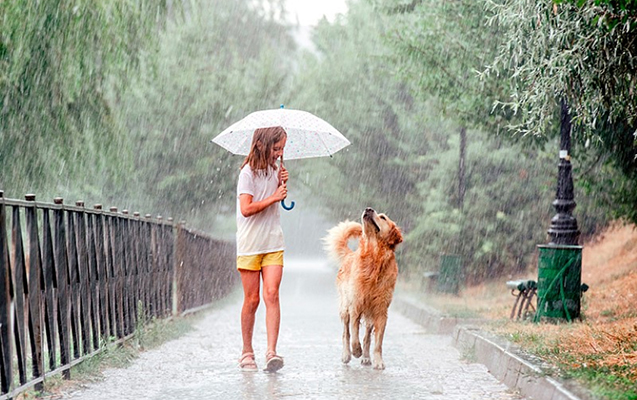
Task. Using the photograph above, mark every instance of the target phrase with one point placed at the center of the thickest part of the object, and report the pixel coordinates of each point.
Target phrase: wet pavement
(203, 363)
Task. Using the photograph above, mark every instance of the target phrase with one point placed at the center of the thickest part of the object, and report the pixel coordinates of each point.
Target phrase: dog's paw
(366, 361)
(380, 365)
(357, 351)
(346, 357)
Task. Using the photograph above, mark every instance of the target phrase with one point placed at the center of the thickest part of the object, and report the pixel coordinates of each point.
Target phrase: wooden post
(20, 291)
(83, 274)
(91, 268)
(112, 280)
(118, 267)
(136, 235)
(170, 261)
(6, 348)
(35, 287)
(49, 274)
(179, 269)
(62, 286)
(127, 305)
(101, 243)
(74, 283)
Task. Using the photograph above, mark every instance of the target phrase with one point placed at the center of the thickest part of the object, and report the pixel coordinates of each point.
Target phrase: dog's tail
(335, 243)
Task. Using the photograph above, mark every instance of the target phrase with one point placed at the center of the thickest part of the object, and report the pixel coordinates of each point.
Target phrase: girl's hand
(281, 192)
(283, 174)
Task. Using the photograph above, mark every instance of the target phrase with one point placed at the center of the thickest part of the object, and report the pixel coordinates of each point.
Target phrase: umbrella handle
(291, 206)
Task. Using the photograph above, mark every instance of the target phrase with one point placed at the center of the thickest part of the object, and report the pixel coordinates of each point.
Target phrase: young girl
(261, 186)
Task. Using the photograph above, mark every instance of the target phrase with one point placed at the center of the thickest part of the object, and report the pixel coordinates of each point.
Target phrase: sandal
(273, 362)
(247, 362)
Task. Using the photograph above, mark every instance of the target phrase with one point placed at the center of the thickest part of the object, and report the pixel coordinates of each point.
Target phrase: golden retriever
(365, 281)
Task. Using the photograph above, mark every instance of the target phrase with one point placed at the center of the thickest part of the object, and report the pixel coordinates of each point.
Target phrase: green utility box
(559, 285)
(450, 274)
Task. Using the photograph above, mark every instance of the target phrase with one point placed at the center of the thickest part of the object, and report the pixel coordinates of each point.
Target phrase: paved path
(203, 363)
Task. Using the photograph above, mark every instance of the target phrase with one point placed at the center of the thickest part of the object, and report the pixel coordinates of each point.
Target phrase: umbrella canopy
(308, 135)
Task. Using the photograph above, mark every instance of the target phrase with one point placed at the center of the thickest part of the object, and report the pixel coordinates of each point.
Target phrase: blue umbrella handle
(286, 207)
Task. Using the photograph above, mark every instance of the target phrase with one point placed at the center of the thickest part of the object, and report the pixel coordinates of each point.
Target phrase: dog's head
(381, 228)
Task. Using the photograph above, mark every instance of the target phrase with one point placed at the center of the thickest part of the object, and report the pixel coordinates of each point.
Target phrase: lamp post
(563, 228)
(560, 261)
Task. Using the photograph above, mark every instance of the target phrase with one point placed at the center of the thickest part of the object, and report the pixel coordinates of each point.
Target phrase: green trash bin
(559, 285)
(450, 273)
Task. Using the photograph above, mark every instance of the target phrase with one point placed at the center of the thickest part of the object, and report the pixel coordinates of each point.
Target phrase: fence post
(179, 267)
(34, 290)
(49, 288)
(83, 275)
(6, 352)
(102, 270)
(118, 274)
(131, 272)
(170, 262)
(74, 282)
(111, 235)
(20, 289)
(62, 286)
(127, 308)
(92, 281)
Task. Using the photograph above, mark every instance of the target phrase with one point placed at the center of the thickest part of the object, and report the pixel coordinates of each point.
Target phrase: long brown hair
(263, 140)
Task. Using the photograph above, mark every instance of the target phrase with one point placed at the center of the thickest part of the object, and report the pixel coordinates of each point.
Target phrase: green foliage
(612, 13)
(440, 47)
(562, 49)
(124, 98)
(58, 60)
(225, 61)
(555, 51)
(404, 158)
(508, 192)
(348, 82)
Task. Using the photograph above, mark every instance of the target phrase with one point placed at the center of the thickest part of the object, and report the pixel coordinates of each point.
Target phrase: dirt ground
(601, 349)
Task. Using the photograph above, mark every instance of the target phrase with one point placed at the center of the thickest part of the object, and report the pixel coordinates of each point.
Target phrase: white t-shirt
(260, 233)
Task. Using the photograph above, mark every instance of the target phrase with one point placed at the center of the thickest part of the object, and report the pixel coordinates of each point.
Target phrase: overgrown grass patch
(602, 358)
(607, 383)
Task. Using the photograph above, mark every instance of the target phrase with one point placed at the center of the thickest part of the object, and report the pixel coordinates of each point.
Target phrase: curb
(498, 355)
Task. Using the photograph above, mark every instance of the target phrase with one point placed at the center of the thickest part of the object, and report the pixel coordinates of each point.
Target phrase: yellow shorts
(255, 262)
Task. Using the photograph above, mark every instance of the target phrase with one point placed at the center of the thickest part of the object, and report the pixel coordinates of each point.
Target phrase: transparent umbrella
(308, 135)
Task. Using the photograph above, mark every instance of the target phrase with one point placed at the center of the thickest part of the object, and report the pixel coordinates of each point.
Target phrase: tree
(561, 49)
(581, 51)
(227, 59)
(404, 161)
(441, 45)
(59, 60)
(349, 82)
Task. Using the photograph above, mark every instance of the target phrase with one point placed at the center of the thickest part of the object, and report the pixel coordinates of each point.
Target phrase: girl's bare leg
(250, 282)
(272, 275)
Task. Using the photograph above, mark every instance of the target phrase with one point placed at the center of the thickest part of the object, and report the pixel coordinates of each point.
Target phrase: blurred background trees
(60, 62)
(451, 108)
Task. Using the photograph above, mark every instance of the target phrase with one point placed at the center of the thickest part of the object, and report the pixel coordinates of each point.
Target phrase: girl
(260, 243)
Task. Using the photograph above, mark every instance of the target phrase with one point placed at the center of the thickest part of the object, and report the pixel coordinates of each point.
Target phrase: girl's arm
(249, 208)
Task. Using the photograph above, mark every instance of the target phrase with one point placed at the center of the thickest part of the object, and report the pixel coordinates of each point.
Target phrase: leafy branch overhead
(580, 50)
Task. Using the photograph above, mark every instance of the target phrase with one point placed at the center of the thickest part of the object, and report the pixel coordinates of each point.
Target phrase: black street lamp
(563, 228)
(559, 287)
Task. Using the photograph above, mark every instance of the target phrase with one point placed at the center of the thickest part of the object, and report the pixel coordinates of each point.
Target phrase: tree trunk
(461, 167)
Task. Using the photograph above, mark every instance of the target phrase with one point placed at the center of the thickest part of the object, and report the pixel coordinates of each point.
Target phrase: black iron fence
(73, 279)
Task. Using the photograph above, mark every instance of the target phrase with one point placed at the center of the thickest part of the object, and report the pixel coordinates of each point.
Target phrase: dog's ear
(394, 237)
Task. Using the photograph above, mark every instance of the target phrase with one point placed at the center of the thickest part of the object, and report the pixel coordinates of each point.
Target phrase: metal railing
(73, 279)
